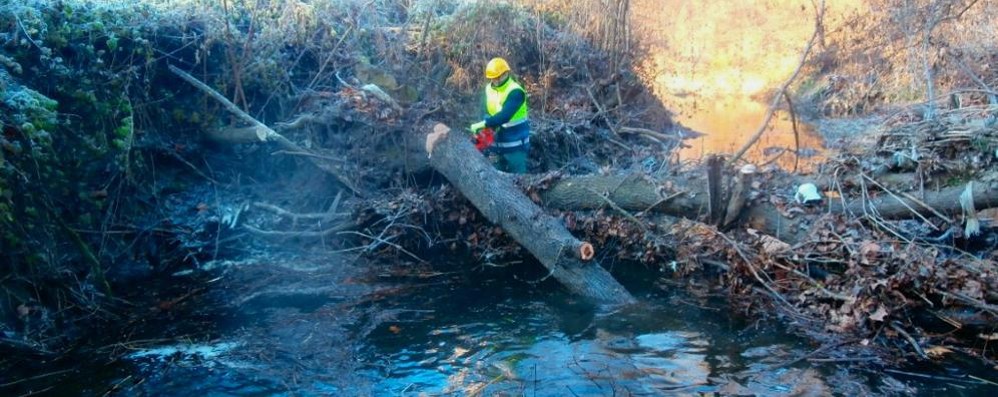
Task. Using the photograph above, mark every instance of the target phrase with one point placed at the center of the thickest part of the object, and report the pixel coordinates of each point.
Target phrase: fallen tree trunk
(502, 203)
(636, 192)
(902, 205)
(633, 192)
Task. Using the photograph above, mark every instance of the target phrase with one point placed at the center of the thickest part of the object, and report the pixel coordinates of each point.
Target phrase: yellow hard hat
(495, 68)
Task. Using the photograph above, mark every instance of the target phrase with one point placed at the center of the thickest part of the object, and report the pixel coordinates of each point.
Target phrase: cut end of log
(439, 132)
(261, 133)
(586, 251)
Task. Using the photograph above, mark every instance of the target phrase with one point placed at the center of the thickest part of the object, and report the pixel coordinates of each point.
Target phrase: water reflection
(707, 60)
(493, 337)
(521, 345)
(728, 122)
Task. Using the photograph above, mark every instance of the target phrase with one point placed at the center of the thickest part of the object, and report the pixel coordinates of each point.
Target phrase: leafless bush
(605, 23)
(922, 52)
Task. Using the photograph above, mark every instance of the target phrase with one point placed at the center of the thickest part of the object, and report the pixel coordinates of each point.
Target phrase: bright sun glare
(715, 48)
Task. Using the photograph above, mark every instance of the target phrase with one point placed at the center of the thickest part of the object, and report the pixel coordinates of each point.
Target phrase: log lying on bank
(637, 192)
(568, 259)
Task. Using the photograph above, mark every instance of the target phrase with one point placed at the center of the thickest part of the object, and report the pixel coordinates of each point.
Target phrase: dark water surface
(500, 338)
(484, 334)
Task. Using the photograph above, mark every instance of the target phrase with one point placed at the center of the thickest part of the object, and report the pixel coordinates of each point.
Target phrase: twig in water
(117, 385)
(295, 216)
(321, 233)
(383, 241)
(36, 377)
(841, 359)
(983, 380)
(808, 356)
(34, 392)
(934, 377)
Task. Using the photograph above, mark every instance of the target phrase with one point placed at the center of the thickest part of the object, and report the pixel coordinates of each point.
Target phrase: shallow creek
(320, 330)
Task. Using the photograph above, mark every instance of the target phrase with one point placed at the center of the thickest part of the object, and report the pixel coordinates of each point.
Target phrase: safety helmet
(495, 68)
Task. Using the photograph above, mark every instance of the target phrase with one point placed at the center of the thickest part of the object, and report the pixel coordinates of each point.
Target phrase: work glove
(477, 127)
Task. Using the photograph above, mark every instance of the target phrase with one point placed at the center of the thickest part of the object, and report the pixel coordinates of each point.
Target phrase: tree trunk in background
(945, 201)
(635, 192)
(638, 193)
(504, 204)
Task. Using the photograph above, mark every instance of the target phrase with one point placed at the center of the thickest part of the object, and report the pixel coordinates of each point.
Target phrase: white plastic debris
(807, 194)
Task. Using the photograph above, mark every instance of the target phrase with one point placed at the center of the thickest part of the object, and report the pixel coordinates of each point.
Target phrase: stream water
(729, 122)
(501, 338)
(466, 333)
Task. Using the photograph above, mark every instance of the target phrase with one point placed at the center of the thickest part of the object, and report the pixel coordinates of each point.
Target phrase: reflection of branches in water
(596, 376)
(378, 240)
(818, 23)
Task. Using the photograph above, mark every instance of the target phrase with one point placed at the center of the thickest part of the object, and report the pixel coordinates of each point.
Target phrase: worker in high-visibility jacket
(506, 114)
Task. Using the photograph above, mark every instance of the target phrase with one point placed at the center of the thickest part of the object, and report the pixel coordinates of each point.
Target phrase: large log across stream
(496, 196)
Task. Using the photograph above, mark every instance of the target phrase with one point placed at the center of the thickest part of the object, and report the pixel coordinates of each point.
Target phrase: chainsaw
(484, 138)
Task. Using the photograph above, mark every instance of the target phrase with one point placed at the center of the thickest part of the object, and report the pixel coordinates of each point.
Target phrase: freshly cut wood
(268, 133)
(503, 203)
(739, 194)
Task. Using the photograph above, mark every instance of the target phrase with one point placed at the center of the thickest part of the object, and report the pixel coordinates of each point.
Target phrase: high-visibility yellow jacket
(506, 113)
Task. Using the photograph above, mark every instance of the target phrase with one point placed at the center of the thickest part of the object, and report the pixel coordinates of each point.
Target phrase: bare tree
(923, 18)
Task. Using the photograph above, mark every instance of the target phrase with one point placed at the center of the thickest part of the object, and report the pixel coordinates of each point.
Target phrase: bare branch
(818, 21)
